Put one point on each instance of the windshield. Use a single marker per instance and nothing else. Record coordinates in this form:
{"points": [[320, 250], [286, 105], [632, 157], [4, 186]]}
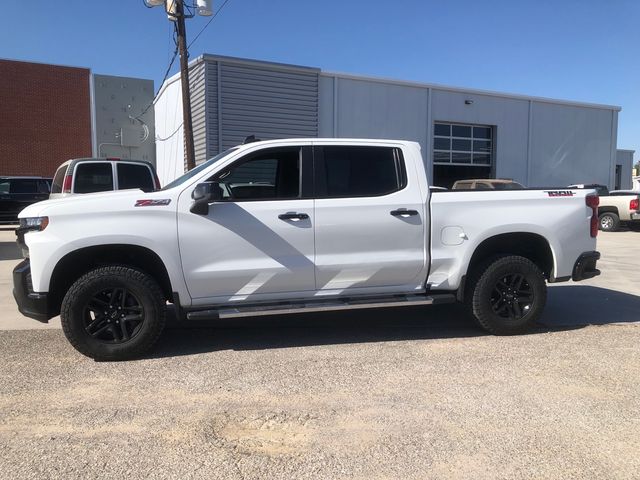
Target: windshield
{"points": [[198, 169]]}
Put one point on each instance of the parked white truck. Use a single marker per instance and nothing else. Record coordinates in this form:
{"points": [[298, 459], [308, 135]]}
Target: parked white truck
{"points": [[296, 225], [618, 207]]}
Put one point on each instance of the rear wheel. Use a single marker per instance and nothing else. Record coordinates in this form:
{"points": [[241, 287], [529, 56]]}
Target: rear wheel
{"points": [[507, 295], [609, 222], [113, 313]]}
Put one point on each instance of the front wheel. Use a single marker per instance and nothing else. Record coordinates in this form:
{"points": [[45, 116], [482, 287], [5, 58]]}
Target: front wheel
{"points": [[507, 295], [113, 313]]}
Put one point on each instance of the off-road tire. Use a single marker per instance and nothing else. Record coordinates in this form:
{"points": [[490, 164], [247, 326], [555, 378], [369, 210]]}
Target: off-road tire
{"points": [[608, 222], [483, 294], [142, 287]]}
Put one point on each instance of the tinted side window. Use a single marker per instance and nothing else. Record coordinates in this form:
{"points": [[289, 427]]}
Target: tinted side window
{"points": [[362, 171], [4, 186], [44, 186], [93, 177], [274, 174], [134, 176], [58, 180], [508, 186], [24, 186]]}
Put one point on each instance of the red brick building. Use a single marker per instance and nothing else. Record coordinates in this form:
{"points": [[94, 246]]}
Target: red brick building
{"points": [[45, 117]]}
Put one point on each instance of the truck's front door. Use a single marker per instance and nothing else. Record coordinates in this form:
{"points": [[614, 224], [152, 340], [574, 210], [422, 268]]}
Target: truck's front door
{"points": [[258, 241], [370, 221]]}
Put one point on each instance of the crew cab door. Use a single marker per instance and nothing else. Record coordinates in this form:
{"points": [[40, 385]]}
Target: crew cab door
{"points": [[258, 241], [370, 220]]}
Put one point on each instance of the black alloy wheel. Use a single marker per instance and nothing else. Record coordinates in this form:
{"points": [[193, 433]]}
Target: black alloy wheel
{"points": [[113, 316], [506, 294], [113, 313], [512, 297]]}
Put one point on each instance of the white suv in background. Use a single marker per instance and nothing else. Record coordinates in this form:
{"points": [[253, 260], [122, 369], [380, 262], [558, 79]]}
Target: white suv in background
{"points": [[89, 175]]}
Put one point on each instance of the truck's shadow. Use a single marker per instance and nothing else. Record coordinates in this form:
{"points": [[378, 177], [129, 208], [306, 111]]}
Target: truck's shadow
{"points": [[569, 307]]}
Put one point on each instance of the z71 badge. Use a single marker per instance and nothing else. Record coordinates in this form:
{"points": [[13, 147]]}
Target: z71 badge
{"points": [[560, 193], [152, 203]]}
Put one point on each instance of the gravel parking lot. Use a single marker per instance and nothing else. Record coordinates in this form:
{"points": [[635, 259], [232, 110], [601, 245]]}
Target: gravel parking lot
{"points": [[399, 393]]}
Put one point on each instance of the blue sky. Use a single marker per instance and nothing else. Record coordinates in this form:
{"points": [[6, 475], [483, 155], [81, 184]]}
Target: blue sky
{"points": [[585, 50]]}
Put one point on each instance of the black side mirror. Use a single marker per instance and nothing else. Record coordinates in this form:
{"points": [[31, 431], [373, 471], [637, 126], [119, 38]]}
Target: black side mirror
{"points": [[203, 195]]}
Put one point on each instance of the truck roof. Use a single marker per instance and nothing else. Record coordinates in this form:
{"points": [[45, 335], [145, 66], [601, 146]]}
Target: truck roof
{"points": [[103, 159], [350, 141]]}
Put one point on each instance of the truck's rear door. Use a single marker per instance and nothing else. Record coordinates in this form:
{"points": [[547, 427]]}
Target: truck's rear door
{"points": [[370, 219]]}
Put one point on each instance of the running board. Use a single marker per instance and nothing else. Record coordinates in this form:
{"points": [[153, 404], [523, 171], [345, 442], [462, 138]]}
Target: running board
{"points": [[321, 306]]}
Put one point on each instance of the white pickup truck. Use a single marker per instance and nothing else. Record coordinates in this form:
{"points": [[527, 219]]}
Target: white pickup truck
{"points": [[296, 225]]}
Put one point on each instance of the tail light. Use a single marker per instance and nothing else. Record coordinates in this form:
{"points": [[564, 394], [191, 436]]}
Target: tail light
{"points": [[634, 204], [593, 201], [66, 186]]}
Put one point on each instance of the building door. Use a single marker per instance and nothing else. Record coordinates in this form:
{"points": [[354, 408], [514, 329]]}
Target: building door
{"points": [[618, 177], [461, 152]]}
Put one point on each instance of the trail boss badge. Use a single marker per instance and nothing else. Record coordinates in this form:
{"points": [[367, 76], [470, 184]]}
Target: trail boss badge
{"points": [[560, 193]]}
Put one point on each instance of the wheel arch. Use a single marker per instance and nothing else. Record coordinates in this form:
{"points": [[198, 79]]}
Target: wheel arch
{"points": [[525, 244], [608, 209], [78, 262], [529, 245]]}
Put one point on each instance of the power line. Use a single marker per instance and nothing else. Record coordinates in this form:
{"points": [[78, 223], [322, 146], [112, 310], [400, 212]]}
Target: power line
{"points": [[207, 24], [160, 139]]}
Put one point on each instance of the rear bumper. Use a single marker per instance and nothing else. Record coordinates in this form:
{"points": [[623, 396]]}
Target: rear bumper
{"points": [[635, 216], [31, 304], [585, 266]]}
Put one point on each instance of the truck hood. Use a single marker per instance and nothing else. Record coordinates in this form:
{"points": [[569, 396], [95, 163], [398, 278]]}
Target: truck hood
{"points": [[112, 200]]}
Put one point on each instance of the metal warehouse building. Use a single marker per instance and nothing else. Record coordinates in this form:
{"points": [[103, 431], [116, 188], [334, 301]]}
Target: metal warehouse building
{"points": [[464, 133]]}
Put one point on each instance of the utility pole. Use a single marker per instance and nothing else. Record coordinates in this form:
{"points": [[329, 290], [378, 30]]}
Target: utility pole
{"points": [[189, 149], [176, 13]]}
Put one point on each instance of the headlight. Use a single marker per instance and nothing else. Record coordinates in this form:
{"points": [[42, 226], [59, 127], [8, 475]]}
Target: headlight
{"points": [[33, 223]]}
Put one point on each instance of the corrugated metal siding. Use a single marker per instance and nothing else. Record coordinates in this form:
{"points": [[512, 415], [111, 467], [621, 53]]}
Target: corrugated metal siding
{"points": [[267, 102], [212, 109], [198, 109]]}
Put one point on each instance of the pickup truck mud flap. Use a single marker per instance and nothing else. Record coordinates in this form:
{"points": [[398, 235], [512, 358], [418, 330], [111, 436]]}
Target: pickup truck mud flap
{"points": [[585, 266]]}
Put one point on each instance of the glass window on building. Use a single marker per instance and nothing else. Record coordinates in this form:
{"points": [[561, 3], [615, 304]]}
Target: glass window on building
{"points": [[458, 144]]}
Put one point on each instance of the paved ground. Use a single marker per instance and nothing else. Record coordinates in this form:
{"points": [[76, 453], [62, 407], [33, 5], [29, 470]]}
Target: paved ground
{"points": [[406, 393]]}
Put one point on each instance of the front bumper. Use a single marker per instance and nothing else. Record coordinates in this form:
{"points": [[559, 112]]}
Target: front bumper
{"points": [[31, 304], [585, 266]]}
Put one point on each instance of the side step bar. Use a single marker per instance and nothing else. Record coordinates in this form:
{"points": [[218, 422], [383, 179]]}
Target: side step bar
{"points": [[321, 306]]}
